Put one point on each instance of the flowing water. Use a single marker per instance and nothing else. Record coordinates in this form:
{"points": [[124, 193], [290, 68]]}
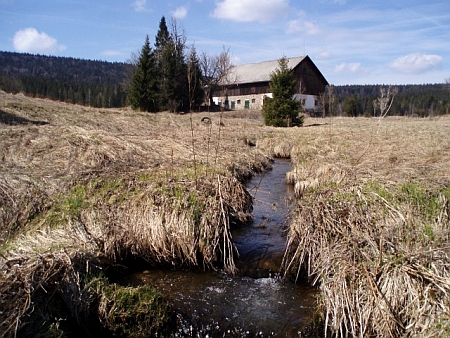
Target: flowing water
{"points": [[255, 302]]}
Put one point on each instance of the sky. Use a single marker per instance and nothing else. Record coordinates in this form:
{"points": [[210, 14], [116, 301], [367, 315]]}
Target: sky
{"points": [[350, 41]]}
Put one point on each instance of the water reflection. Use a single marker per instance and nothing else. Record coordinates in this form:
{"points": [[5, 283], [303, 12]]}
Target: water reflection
{"points": [[218, 305], [255, 303], [261, 244]]}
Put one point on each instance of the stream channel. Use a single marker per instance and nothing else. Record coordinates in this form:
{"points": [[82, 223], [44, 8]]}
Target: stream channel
{"points": [[256, 302]]}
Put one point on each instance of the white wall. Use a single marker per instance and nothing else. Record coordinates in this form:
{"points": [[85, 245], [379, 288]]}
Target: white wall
{"points": [[308, 101], [256, 101]]}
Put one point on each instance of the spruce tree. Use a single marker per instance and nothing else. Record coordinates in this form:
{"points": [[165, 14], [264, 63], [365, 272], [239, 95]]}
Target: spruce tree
{"points": [[169, 50], [194, 79], [162, 37], [165, 64], [282, 110], [144, 86]]}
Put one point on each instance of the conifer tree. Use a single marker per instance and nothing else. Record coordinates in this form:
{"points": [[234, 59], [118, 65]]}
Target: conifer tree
{"points": [[164, 53], [194, 79], [169, 50], [162, 37], [143, 91], [282, 109]]}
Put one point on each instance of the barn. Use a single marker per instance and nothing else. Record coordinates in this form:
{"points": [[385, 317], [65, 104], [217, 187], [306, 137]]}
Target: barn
{"points": [[248, 84]]}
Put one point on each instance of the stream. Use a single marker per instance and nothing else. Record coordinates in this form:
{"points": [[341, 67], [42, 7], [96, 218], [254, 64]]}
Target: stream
{"points": [[256, 302]]}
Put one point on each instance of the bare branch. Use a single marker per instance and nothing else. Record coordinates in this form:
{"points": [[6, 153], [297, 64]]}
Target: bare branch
{"points": [[386, 99]]}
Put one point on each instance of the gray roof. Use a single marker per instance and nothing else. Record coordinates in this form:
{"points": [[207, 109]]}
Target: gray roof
{"points": [[260, 71]]}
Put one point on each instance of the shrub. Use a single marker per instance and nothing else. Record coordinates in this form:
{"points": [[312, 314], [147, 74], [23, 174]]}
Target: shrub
{"points": [[282, 110]]}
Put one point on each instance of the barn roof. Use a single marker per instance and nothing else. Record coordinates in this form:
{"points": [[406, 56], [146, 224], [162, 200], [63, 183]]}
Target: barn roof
{"points": [[260, 71]]}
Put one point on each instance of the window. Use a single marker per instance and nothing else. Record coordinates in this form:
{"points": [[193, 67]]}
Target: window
{"points": [[253, 100], [247, 104], [238, 101]]}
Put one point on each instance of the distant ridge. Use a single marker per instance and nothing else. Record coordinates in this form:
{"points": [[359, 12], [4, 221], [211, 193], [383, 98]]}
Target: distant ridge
{"points": [[87, 82], [105, 84]]}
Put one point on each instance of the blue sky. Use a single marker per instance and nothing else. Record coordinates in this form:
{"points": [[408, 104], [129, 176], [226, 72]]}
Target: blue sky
{"points": [[351, 41]]}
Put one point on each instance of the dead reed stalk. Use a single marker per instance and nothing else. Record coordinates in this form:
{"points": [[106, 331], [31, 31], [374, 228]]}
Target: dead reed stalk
{"points": [[373, 232], [113, 184]]}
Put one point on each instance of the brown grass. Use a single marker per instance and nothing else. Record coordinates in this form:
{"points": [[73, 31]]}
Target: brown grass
{"points": [[93, 183], [79, 185], [39, 162], [372, 224]]}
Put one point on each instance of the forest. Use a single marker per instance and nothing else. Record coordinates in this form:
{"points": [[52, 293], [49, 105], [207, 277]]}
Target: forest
{"points": [[85, 82], [106, 84], [410, 100]]}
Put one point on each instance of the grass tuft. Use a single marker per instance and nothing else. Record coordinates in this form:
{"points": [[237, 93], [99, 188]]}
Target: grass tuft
{"points": [[373, 233]]}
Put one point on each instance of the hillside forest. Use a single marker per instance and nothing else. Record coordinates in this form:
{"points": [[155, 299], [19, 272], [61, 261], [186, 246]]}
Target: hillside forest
{"points": [[85, 82], [106, 84]]}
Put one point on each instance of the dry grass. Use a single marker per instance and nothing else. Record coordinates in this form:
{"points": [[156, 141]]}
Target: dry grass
{"points": [[40, 161], [371, 228], [93, 183], [372, 224]]}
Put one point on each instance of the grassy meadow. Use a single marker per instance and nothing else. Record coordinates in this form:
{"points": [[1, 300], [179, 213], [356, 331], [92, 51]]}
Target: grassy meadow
{"points": [[83, 189], [371, 227]]}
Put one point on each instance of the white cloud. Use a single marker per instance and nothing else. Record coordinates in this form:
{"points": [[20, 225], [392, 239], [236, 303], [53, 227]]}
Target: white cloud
{"points": [[416, 63], [140, 5], [29, 40], [251, 10], [180, 12], [302, 26], [352, 67]]}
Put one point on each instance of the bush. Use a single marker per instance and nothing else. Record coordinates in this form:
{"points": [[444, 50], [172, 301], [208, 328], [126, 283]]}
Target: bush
{"points": [[281, 113], [282, 110]]}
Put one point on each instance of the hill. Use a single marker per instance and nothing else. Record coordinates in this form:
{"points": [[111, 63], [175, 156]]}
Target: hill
{"points": [[86, 82]]}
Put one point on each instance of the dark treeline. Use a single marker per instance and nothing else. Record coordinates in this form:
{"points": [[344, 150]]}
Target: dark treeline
{"points": [[107, 84], [86, 82], [410, 100]]}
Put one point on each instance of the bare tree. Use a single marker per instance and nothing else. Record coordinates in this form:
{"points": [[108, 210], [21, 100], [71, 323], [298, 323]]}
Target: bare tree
{"points": [[323, 102], [331, 98], [327, 100], [384, 102], [225, 74], [216, 72], [224, 67], [178, 36], [208, 66]]}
